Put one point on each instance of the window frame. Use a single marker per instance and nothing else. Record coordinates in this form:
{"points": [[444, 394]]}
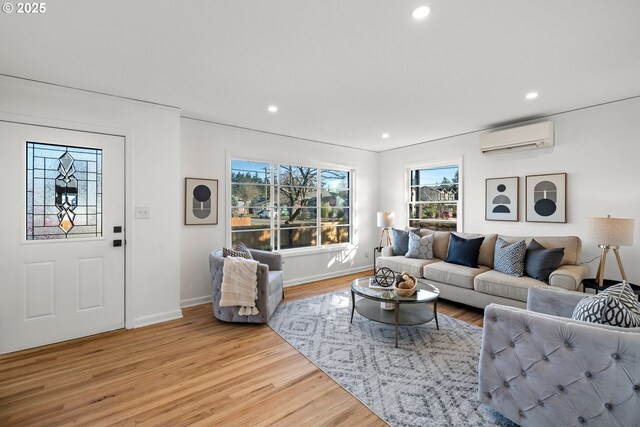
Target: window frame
{"points": [[410, 167], [275, 205]]}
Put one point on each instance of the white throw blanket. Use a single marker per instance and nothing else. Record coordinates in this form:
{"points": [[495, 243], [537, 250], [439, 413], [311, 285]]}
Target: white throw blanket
{"points": [[240, 285]]}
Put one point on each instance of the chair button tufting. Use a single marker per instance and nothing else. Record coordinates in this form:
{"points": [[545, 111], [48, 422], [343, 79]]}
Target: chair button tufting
{"points": [[506, 384], [512, 344], [636, 387], [527, 329], [521, 413], [488, 395], [493, 356], [540, 402], [560, 387], [523, 373], [495, 318], [567, 344], [544, 358], [615, 356], [581, 420], [607, 405], [587, 374]]}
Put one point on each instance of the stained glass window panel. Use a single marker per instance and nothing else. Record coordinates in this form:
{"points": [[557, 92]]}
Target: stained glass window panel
{"points": [[64, 192]]}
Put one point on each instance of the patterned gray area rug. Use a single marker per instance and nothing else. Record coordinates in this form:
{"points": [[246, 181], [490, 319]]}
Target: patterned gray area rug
{"points": [[431, 380]]}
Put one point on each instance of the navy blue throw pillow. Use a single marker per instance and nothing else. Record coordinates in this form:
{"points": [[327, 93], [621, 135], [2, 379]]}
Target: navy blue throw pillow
{"points": [[540, 262], [464, 251], [401, 240]]}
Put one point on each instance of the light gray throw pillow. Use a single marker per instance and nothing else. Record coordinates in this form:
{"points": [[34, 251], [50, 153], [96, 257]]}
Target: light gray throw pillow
{"points": [[420, 247]]}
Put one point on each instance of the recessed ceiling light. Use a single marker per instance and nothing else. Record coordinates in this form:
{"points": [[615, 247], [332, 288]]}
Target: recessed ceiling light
{"points": [[272, 109], [421, 12], [385, 135], [531, 95]]}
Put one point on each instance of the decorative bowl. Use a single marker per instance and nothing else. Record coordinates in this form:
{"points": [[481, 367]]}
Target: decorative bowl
{"points": [[400, 287]]}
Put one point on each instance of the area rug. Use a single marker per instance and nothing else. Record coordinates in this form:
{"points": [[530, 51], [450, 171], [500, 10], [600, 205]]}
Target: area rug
{"points": [[430, 380]]}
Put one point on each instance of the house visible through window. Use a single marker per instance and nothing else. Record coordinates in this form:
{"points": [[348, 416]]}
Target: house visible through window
{"points": [[433, 201], [277, 206]]}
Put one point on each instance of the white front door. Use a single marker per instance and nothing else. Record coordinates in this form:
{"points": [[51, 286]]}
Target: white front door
{"points": [[62, 273]]}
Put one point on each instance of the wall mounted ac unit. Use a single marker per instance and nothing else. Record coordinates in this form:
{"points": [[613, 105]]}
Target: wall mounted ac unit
{"points": [[538, 135]]}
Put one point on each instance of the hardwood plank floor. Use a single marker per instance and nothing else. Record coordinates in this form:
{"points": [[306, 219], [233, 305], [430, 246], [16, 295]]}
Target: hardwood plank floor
{"points": [[193, 371]]}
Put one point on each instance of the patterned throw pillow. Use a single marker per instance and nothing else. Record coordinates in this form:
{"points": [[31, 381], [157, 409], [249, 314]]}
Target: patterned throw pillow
{"points": [[241, 251], [509, 257], [615, 306], [420, 247]]}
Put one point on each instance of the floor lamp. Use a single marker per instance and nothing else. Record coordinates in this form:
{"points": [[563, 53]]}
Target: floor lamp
{"points": [[385, 220], [610, 233]]}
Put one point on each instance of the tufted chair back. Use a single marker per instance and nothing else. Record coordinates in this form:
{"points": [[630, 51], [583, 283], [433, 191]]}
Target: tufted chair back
{"points": [[540, 369]]}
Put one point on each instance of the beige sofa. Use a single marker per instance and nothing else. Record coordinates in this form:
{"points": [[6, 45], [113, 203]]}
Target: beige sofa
{"points": [[482, 286]]}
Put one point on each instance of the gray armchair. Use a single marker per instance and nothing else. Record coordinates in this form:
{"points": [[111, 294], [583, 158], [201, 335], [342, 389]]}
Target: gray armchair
{"points": [[270, 287], [539, 368]]}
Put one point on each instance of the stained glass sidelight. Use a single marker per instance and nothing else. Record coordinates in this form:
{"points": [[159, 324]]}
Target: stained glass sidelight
{"points": [[64, 192]]}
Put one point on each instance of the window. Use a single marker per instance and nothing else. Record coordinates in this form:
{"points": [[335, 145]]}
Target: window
{"points": [[433, 201], [277, 206], [64, 192]]}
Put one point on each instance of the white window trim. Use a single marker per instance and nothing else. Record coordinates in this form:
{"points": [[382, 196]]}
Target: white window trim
{"points": [[293, 252], [435, 164]]}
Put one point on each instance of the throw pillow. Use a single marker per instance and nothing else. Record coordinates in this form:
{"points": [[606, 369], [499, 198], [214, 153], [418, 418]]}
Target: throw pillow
{"points": [[615, 306], [401, 240], [509, 257], [240, 250], [464, 251], [540, 262], [420, 247]]}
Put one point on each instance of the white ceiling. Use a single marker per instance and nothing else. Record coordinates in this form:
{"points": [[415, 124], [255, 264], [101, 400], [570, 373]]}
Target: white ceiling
{"points": [[340, 71]]}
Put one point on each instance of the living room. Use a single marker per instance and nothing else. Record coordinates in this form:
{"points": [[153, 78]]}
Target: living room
{"points": [[350, 96]]}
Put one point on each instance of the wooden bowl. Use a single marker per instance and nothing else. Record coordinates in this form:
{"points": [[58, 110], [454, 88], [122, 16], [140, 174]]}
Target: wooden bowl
{"points": [[406, 292]]}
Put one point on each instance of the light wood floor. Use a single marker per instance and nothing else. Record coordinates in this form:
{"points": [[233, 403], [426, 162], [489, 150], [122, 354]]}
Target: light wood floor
{"points": [[196, 370]]}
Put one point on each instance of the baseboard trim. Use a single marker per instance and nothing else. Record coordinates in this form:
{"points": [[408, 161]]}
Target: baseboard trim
{"points": [[190, 302], [152, 319], [302, 280]]}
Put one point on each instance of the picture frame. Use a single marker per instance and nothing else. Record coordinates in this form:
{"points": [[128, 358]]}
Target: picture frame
{"points": [[201, 201], [502, 199], [546, 198]]}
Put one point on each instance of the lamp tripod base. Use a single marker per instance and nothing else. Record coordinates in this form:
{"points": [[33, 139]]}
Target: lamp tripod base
{"points": [[388, 241], [603, 262]]}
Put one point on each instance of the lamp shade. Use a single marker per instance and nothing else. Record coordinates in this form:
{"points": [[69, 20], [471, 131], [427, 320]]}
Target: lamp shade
{"points": [[386, 219], [610, 231]]}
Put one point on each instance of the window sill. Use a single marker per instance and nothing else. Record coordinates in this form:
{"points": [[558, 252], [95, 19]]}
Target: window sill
{"points": [[290, 253]]}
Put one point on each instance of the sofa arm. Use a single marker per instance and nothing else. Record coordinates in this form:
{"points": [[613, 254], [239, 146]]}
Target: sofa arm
{"points": [[556, 302], [569, 277], [387, 251], [540, 370], [272, 259]]}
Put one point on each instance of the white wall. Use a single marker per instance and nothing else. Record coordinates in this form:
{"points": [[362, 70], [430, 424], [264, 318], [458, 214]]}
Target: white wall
{"points": [[597, 147], [153, 179], [205, 151]]}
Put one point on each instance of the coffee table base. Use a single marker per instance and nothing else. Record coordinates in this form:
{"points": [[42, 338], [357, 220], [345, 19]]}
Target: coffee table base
{"points": [[407, 315]]}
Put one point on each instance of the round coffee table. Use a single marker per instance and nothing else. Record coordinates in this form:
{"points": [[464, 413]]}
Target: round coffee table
{"points": [[413, 310]]}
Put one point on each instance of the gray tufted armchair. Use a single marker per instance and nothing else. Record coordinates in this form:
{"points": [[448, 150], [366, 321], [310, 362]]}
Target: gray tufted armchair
{"points": [[539, 368], [270, 287]]}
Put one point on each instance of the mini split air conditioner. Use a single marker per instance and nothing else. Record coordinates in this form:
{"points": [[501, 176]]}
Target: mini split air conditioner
{"points": [[539, 135]]}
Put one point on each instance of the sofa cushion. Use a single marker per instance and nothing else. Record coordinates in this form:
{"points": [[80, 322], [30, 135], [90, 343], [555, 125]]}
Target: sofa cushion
{"points": [[487, 249], [540, 262], [509, 257], [571, 245], [464, 251], [420, 247], [401, 263], [615, 306], [452, 274], [440, 242], [401, 240], [499, 284]]}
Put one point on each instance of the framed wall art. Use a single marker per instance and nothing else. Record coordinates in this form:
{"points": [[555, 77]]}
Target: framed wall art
{"points": [[201, 201], [546, 198], [502, 199]]}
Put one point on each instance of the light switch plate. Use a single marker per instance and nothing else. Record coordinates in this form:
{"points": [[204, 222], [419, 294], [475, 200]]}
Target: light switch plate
{"points": [[143, 212]]}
